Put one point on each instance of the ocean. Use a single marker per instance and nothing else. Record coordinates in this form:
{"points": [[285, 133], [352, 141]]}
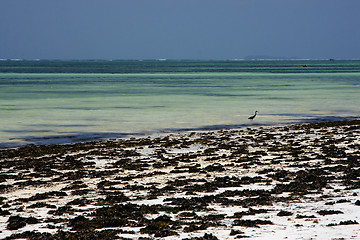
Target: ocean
{"points": [[45, 102]]}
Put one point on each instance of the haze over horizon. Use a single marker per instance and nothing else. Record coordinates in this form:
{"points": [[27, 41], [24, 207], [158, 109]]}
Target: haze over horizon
{"points": [[179, 29]]}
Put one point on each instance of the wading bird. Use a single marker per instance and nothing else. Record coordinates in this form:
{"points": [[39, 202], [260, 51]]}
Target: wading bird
{"points": [[252, 117]]}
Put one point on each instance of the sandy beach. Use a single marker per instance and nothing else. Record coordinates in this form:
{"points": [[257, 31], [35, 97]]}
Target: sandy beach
{"points": [[289, 182]]}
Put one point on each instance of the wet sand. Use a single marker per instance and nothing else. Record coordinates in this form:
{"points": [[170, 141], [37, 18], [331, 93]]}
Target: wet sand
{"points": [[291, 182]]}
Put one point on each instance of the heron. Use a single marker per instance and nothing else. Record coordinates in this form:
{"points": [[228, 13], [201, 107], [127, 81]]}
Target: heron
{"points": [[252, 117]]}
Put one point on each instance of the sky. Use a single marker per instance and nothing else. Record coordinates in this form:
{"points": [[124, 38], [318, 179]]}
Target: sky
{"points": [[179, 29]]}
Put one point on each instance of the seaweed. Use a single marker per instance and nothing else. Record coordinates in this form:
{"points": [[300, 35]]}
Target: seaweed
{"points": [[41, 205], [329, 212], [62, 210], [347, 222], [196, 226], [280, 175], [4, 187], [4, 212], [79, 202], [162, 226], [218, 165], [283, 213], [187, 215], [60, 235], [190, 204], [304, 216], [16, 222], [251, 211], [43, 196], [304, 181], [235, 232], [122, 215], [113, 198], [206, 236], [251, 223]]}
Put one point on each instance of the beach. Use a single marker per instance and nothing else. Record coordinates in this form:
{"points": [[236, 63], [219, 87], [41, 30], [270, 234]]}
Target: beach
{"points": [[297, 181], [179, 120]]}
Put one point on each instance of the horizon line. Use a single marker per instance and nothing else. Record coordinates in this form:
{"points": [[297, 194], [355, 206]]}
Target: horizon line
{"points": [[177, 59]]}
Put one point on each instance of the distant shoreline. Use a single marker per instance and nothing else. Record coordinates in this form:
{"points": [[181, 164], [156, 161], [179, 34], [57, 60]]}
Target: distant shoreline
{"points": [[199, 60], [143, 66]]}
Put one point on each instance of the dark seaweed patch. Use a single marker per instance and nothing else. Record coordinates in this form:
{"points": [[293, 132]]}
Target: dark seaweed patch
{"points": [[41, 205], [4, 212], [329, 212], [80, 202], [16, 222], [251, 211], [42, 196], [299, 216], [216, 167], [304, 182], [62, 210], [284, 213], [348, 222], [88, 234], [206, 236], [161, 226], [235, 232], [251, 223]]}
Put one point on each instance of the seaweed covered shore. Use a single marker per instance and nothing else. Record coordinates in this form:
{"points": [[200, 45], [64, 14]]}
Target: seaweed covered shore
{"points": [[291, 182]]}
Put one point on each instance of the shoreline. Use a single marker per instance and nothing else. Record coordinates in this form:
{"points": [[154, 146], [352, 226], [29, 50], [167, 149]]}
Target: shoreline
{"points": [[263, 182], [92, 137]]}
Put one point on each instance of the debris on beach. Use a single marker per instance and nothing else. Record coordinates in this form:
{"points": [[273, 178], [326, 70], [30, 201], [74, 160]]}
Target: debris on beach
{"points": [[299, 180]]}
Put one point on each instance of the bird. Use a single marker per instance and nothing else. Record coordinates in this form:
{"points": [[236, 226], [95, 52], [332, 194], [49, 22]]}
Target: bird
{"points": [[252, 117]]}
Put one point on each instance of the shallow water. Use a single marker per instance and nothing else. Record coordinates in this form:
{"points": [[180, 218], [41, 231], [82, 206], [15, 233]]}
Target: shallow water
{"points": [[65, 101]]}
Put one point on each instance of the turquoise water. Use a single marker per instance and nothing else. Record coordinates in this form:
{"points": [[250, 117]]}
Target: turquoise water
{"points": [[63, 101]]}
